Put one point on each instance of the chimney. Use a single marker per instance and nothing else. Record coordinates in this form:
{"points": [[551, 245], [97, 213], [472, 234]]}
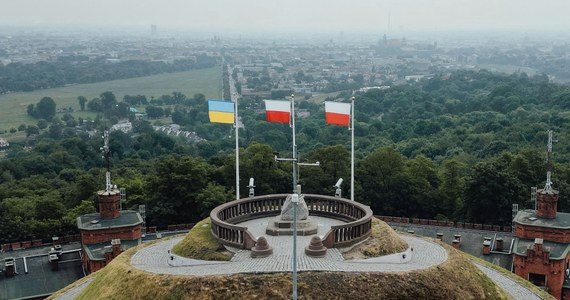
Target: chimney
{"points": [[456, 244], [538, 244], [499, 244], [457, 237], [487, 246], [9, 267], [54, 262], [547, 203], [109, 204], [116, 244]]}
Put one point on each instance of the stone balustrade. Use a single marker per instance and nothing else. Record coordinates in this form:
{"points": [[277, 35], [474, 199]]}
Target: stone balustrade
{"points": [[225, 217]]}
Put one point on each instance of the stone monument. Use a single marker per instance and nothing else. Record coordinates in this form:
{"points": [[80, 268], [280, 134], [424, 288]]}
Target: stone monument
{"points": [[283, 224]]}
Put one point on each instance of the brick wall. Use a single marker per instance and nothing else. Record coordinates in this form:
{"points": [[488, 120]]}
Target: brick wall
{"points": [[538, 261], [89, 237], [548, 234]]}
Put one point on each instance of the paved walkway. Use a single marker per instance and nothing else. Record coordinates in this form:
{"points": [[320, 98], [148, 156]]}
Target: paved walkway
{"points": [[72, 293], [421, 254], [156, 258], [510, 286]]}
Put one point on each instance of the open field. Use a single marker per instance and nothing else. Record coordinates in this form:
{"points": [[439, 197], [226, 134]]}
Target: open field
{"points": [[205, 81], [320, 98]]}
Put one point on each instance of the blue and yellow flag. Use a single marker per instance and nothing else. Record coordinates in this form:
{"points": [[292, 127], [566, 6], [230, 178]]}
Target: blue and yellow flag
{"points": [[221, 111]]}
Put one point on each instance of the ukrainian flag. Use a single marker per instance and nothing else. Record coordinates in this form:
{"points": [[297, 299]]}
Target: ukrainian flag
{"points": [[221, 111]]}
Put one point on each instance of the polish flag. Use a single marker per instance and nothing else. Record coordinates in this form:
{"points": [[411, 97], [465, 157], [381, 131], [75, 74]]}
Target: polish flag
{"points": [[278, 111], [337, 113]]}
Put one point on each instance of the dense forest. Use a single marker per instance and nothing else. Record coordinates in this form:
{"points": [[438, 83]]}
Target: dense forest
{"points": [[463, 146], [18, 77]]}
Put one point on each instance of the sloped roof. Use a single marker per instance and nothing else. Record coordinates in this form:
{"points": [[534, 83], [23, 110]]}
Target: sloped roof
{"points": [[95, 222]]}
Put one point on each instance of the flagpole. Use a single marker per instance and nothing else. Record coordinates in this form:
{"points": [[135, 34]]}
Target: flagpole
{"points": [[295, 191], [352, 152], [294, 144], [237, 146]]}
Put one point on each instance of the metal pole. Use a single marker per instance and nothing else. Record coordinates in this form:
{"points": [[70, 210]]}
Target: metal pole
{"points": [[237, 145], [294, 144], [352, 152], [295, 201]]}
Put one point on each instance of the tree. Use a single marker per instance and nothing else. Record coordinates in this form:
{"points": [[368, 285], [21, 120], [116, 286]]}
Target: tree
{"points": [[95, 105], [82, 101], [490, 193], [174, 187], [154, 112], [32, 129], [334, 164], [258, 161], [108, 101], [452, 186], [424, 184], [45, 109], [42, 124], [385, 182]]}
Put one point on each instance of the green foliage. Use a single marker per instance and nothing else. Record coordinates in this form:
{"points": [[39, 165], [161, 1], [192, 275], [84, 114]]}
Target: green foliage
{"points": [[45, 109], [460, 147]]}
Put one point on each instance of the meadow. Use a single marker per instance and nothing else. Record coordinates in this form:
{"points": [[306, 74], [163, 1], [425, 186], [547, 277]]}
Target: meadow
{"points": [[205, 81]]}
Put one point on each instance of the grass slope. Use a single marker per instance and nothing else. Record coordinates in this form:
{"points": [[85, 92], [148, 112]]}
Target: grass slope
{"points": [[383, 240], [205, 81], [457, 278], [199, 244]]}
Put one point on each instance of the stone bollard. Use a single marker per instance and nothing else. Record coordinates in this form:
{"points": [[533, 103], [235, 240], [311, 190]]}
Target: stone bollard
{"points": [[261, 248], [439, 236], [316, 248], [458, 237], [456, 244]]}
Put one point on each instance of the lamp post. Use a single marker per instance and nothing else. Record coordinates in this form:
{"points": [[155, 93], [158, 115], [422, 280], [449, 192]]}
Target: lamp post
{"points": [[295, 201]]}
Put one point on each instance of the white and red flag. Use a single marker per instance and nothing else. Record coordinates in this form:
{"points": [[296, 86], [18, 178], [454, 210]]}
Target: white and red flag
{"points": [[337, 113], [278, 111]]}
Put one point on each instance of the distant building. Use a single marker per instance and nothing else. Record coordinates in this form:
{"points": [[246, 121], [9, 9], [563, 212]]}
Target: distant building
{"points": [[4, 144], [104, 235], [124, 126], [542, 243]]}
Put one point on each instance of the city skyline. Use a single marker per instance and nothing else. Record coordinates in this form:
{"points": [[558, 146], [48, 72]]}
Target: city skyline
{"points": [[292, 15]]}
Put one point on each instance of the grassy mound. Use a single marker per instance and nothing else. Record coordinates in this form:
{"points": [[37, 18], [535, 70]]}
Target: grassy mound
{"points": [[199, 244], [383, 240], [457, 278]]}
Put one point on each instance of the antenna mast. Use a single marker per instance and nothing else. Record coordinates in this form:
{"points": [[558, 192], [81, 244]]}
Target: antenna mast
{"points": [[548, 186], [107, 157]]}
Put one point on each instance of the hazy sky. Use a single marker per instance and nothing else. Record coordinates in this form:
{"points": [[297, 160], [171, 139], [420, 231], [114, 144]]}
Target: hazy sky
{"points": [[293, 15]]}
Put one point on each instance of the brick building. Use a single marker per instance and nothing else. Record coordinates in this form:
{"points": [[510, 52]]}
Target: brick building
{"points": [[542, 244], [104, 235]]}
